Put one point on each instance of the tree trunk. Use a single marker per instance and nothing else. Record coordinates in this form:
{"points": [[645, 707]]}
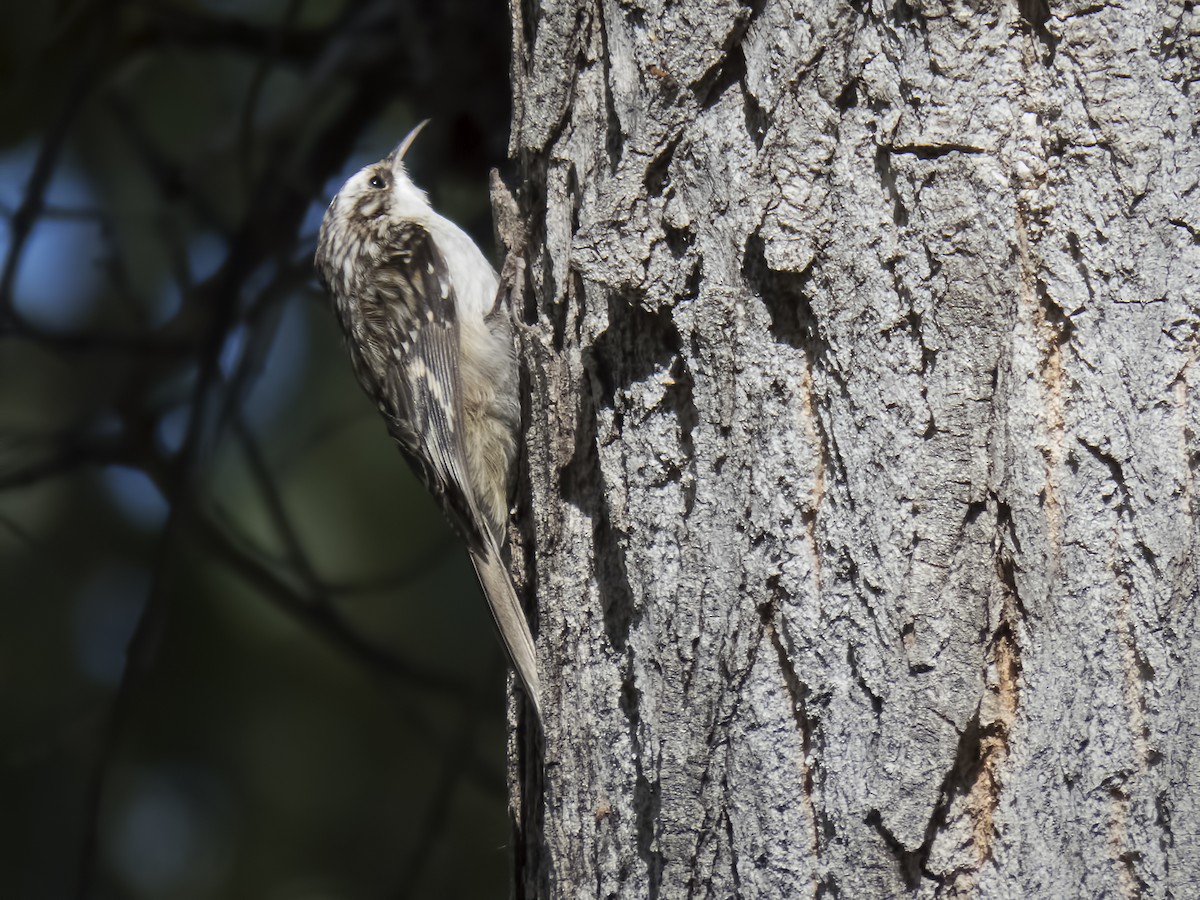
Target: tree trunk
{"points": [[859, 501]]}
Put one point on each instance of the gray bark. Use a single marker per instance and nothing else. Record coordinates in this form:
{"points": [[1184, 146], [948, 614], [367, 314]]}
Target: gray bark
{"points": [[859, 501]]}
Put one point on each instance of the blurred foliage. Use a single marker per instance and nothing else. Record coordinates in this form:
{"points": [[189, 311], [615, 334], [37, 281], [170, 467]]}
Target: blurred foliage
{"points": [[241, 656]]}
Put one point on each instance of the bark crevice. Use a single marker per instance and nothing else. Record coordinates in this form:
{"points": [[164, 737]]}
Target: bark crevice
{"points": [[846, 352]]}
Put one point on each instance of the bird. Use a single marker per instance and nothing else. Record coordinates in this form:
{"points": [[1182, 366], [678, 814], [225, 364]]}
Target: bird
{"points": [[427, 323]]}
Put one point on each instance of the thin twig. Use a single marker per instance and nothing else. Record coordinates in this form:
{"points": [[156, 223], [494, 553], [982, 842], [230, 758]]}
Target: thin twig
{"points": [[323, 618], [26, 215], [268, 59], [437, 812]]}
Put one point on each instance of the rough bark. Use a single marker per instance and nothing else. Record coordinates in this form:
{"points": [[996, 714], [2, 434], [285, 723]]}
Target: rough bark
{"points": [[859, 501]]}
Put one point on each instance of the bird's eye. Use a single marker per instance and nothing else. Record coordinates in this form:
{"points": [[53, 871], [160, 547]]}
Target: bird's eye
{"points": [[377, 182]]}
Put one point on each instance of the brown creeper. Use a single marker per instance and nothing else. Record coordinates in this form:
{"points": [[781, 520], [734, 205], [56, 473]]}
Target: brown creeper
{"points": [[430, 337]]}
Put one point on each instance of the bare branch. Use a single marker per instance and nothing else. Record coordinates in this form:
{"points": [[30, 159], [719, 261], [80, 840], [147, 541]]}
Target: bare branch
{"points": [[322, 618]]}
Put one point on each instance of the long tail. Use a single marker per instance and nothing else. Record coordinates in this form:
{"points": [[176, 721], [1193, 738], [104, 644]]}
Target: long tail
{"points": [[510, 619]]}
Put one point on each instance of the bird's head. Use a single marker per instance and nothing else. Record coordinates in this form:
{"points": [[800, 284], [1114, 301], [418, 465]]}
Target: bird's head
{"points": [[383, 188], [363, 213]]}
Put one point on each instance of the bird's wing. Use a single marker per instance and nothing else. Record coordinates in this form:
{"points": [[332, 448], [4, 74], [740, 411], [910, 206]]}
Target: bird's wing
{"points": [[418, 389], [421, 397]]}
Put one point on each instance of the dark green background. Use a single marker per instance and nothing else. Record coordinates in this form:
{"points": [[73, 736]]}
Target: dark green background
{"points": [[314, 706]]}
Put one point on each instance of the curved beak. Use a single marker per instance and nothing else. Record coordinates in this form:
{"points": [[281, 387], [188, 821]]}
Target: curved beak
{"points": [[407, 142]]}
